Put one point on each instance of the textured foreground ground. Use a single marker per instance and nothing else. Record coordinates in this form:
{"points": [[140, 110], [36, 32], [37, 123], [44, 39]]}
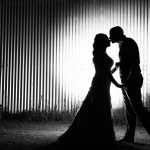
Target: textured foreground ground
{"points": [[28, 135]]}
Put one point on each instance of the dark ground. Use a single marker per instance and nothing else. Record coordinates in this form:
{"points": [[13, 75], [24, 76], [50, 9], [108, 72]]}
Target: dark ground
{"points": [[15, 135]]}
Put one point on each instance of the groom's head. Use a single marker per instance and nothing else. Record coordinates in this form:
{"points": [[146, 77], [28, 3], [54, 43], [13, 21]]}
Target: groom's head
{"points": [[116, 34]]}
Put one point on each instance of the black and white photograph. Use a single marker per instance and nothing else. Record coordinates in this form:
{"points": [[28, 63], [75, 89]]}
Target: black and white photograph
{"points": [[74, 74]]}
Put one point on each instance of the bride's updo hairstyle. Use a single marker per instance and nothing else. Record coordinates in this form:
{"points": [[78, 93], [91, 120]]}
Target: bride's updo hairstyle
{"points": [[101, 41]]}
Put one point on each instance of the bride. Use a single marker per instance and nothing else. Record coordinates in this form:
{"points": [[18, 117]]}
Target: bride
{"points": [[93, 122]]}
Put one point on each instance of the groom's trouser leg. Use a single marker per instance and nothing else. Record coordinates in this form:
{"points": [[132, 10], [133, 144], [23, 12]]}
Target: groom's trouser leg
{"points": [[137, 104], [131, 117]]}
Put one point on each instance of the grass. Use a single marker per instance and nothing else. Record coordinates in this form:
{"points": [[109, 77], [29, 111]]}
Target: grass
{"points": [[39, 116], [119, 116]]}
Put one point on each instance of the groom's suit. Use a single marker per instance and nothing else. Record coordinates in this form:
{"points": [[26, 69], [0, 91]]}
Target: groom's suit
{"points": [[130, 74]]}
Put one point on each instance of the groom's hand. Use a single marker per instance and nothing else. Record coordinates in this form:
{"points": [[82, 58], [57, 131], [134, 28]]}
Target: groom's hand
{"points": [[117, 64], [120, 85]]}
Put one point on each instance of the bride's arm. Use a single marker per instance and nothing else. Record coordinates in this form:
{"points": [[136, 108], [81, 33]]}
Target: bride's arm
{"points": [[112, 79], [115, 68]]}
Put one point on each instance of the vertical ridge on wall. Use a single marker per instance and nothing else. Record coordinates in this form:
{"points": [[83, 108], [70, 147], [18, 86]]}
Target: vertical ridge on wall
{"points": [[46, 49]]}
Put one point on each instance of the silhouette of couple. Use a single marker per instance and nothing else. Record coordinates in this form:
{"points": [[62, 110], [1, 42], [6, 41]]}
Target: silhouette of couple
{"points": [[93, 124]]}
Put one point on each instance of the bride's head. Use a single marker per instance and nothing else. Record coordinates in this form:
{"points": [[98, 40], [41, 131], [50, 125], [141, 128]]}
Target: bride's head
{"points": [[101, 42]]}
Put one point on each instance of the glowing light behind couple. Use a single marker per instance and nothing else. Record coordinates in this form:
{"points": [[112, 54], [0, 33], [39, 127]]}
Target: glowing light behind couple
{"points": [[46, 57], [78, 68], [95, 18]]}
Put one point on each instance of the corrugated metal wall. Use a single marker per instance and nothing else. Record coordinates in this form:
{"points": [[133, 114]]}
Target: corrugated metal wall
{"points": [[43, 47]]}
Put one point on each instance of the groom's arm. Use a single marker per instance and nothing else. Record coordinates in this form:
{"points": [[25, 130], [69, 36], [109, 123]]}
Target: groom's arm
{"points": [[115, 68]]}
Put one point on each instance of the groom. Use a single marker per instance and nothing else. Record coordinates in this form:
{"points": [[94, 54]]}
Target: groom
{"points": [[131, 78]]}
